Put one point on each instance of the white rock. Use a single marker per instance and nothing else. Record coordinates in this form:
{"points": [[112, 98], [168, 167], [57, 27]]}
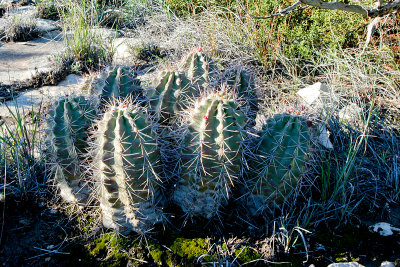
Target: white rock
{"points": [[319, 97], [23, 10], [384, 229], [345, 264], [323, 137], [123, 53], [19, 61], [47, 25], [387, 264], [36, 99], [350, 113]]}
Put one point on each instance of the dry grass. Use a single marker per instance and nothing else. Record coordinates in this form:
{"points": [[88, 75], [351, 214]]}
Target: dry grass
{"points": [[19, 28]]}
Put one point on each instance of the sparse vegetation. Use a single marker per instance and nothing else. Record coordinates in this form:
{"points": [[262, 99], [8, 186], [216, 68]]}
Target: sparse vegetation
{"points": [[18, 28]]}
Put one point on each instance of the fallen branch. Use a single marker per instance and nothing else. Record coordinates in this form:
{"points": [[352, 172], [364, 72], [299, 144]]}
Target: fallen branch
{"points": [[281, 12], [380, 11]]}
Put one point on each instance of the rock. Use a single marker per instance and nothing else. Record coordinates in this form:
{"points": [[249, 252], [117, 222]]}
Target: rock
{"points": [[384, 229], [345, 264], [47, 25], [107, 33], [26, 11], [350, 113], [319, 97], [36, 100], [387, 264], [19, 61], [123, 55], [323, 137]]}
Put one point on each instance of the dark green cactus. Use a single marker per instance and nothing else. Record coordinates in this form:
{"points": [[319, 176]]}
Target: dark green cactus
{"points": [[69, 121], [127, 168], [115, 83], [211, 156], [282, 151], [170, 96]]}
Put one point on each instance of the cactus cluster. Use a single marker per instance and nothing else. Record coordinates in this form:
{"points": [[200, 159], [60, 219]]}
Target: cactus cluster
{"points": [[188, 133]]}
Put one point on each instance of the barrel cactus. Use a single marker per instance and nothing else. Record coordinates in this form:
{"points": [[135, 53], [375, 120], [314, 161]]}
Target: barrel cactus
{"points": [[211, 155], [69, 121], [170, 96], [127, 169], [199, 68], [282, 151], [116, 82]]}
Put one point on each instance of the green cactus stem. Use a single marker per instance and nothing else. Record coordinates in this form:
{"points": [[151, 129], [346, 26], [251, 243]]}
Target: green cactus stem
{"points": [[170, 96], [127, 168], [282, 152], [199, 68], [211, 157], [69, 121], [116, 82]]}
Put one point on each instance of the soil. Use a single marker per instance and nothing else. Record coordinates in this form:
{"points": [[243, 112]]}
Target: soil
{"points": [[35, 234]]}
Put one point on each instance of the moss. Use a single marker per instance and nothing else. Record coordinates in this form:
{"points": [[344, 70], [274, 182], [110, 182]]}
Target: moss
{"points": [[190, 248], [112, 248], [246, 254], [156, 253]]}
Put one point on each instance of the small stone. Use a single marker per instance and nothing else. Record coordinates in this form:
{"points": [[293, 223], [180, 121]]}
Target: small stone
{"points": [[384, 229], [387, 264], [350, 113], [47, 259], [323, 137], [122, 50], [318, 97], [47, 25], [52, 211], [345, 264]]}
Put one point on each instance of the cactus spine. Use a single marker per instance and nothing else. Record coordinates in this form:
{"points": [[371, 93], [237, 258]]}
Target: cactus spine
{"points": [[282, 151], [199, 68], [127, 163], [170, 96], [69, 121], [115, 83], [211, 156]]}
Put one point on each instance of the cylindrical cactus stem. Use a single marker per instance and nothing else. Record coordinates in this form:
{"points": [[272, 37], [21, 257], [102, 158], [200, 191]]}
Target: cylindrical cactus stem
{"points": [[170, 96], [69, 121], [211, 156], [116, 82], [281, 151], [242, 84], [239, 80], [127, 169], [199, 68]]}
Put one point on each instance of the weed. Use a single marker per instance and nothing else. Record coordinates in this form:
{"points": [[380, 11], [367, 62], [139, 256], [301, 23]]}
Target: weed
{"points": [[48, 9], [87, 46], [22, 159], [19, 28]]}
